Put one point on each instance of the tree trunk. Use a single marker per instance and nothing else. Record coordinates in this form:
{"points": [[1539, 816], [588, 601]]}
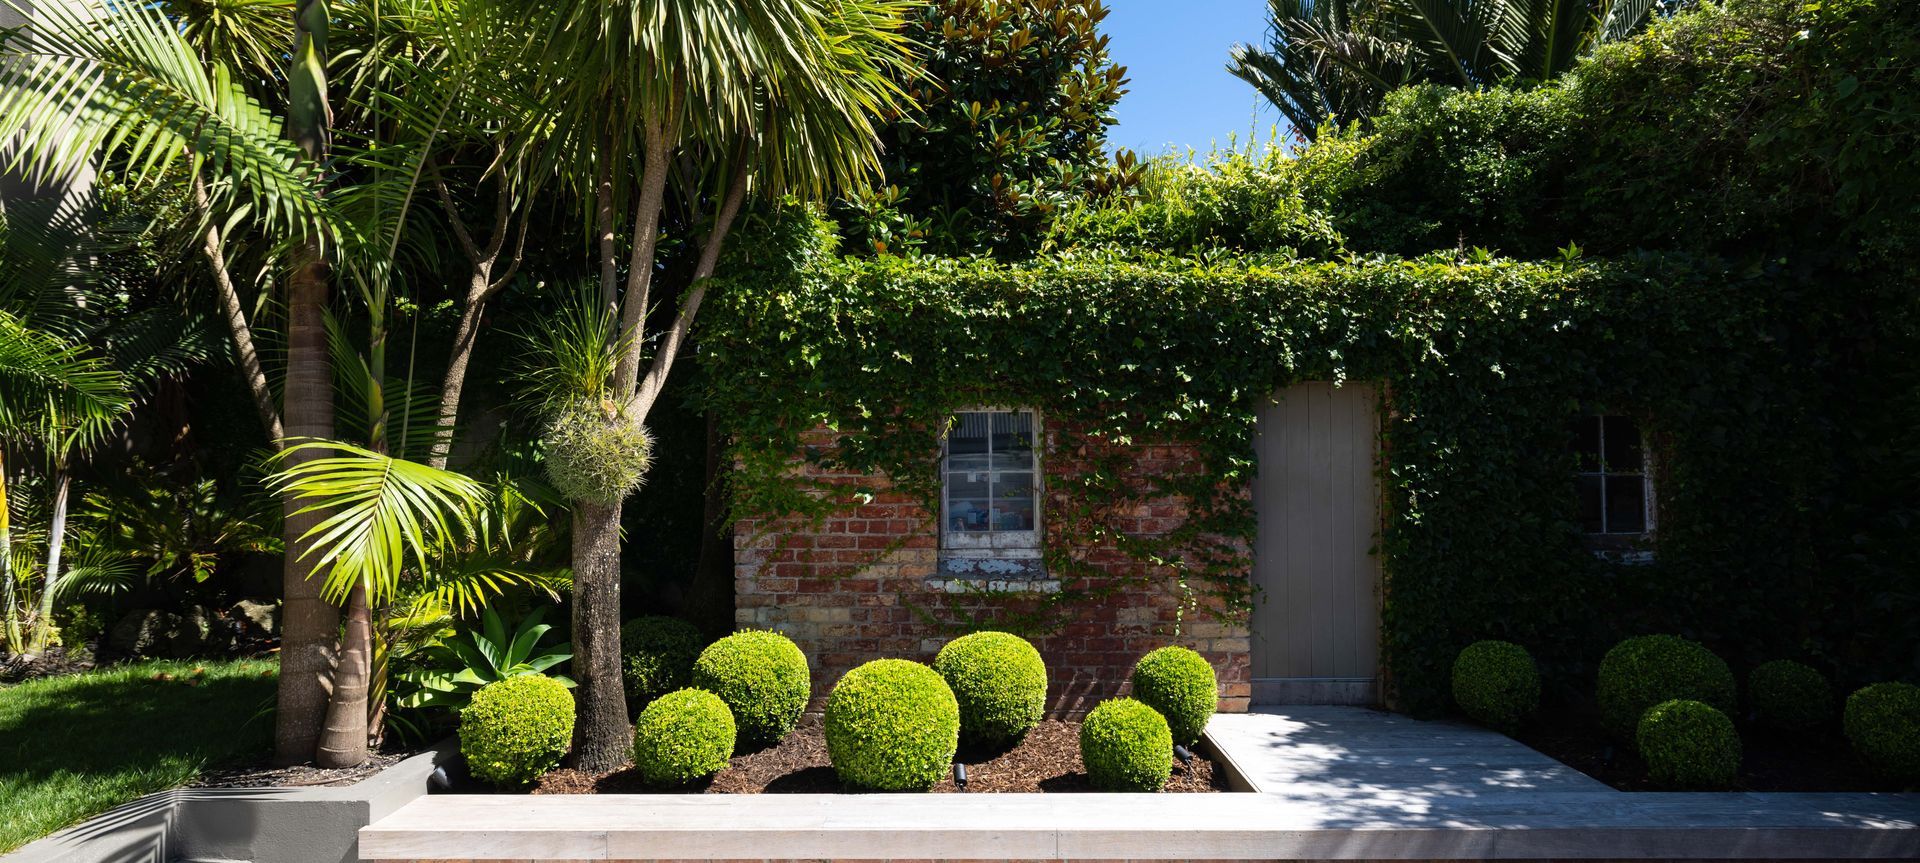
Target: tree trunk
{"points": [[455, 382], [344, 742], [11, 631], [310, 624], [236, 316], [56, 543], [602, 737]]}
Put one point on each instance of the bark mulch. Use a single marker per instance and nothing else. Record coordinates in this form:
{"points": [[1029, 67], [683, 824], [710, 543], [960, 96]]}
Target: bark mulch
{"points": [[302, 775], [1047, 760]]}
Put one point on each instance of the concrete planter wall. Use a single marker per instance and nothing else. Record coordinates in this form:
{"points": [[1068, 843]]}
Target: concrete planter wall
{"points": [[261, 825]]}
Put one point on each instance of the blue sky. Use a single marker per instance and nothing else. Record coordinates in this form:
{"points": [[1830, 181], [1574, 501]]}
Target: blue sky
{"points": [[1175, 52]]}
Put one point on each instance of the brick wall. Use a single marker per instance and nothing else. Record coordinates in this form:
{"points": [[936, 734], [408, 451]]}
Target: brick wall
{"points": [[862, 584]]}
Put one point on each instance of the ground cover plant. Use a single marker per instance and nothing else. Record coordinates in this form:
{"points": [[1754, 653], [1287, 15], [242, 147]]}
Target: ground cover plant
{"points": [[75, 746]]}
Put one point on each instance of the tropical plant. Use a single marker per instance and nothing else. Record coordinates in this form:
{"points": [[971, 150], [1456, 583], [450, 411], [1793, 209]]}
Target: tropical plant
{"points": [[181, 528], [780, 96], [460, 666], [1332, 61]]}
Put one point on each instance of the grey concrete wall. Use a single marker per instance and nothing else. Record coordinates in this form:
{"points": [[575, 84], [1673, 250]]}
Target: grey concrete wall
{"points": [[262, 825]]}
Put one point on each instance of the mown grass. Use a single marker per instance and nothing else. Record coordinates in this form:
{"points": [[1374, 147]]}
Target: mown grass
{"points": [[73, 747]]}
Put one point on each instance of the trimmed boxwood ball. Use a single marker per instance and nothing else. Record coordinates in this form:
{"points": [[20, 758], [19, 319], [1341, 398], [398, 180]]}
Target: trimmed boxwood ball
{"points": [[892, 725], [1179, 684], [1496, 683], [1788, 696], [1646, 670], [1001, 684], [1689, 744], [516, 730], [763, 678], [682, 737], [1126, 746], [656, 656], [1883, 723]]}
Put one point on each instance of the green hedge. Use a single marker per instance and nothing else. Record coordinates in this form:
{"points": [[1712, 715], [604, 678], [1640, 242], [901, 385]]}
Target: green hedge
{"points": [[682, 737], [892, 725], [1497, 684], [1180, 684], [1688, 744], [1646, 670], [1126, 746], [516, 730], [1788, 696], [1001, 684], [763, 678], [1883, 723], [656, 656]]}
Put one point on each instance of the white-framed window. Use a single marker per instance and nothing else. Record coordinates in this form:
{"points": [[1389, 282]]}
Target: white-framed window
{"points": [[990, 484], [1614, 479]]}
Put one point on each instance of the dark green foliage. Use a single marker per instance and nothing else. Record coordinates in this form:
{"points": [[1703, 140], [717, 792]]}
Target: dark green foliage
{"points": [[1646, 670], [516, 730], [1496, 683], [1000, 682], [657, 655], [1883, 723], [1180, 684], [1011, 124], [763, 678], [892, 725], [1789, 696], [1233, 200], [1688, 744], [1126, 746], [683, 736]]}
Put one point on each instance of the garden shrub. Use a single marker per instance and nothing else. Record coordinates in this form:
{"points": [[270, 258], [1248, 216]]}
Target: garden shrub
{"points": [[1001, 684], [657, 655], [1126, 746], [683, 736], [516, 730], [1178, 683], [1650, 669], [1788, 696], [1689, 744], [1883, 723], [892, 725], [1496, 683], [763, 678]]}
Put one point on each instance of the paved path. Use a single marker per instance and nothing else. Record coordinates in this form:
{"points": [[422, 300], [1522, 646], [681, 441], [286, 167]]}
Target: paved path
{"points": [[1347, 750]]}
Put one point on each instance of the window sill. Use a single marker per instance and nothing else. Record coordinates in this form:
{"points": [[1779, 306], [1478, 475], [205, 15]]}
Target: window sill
{"points": [[1014, 573]]}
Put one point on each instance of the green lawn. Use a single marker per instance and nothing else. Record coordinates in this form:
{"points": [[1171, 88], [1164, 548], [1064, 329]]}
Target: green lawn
{"points": [[73, 747]]}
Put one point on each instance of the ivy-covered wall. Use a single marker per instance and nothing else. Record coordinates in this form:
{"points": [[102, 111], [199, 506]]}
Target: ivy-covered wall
{"points": [[1486, 363]]}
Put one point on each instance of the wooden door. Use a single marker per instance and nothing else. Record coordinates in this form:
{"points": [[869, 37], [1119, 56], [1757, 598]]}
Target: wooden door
{"points": [[1316, 618]]}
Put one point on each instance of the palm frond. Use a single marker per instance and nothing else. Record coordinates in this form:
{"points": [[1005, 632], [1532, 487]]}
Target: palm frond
{"points": [[379, 512], [54, 391]]}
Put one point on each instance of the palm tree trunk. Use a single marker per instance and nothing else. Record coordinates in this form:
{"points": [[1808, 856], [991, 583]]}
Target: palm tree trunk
{"points": [[56, 543], [12, 609], [602, 738], [310, 624], [451, 388], [236, 316], [344, 741]]}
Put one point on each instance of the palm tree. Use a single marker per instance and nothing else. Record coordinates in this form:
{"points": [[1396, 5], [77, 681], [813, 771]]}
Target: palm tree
{"points": [[1334, 60], [779, 95]]}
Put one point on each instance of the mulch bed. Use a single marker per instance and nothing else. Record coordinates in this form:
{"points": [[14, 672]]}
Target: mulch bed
{"points": [[1047, 760], [54, 662], [1768, 761], [303, 775]]}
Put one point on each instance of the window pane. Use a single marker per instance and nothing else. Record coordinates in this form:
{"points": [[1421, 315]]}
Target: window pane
{"points": [[1623, 445], [967, 484], [1586, 443], [1013, 432], [969, 435], [1007, 486], [1626, 504], [1588, 489], [966, 515], [1013, 514]]}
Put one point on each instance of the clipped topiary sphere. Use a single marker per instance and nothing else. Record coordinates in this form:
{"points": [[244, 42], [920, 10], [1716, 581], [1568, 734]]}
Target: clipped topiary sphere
{"points": [[516, 730], [656, 656], [1126, 746], [1000, 682], [1496, 683], [596, 452], [1883, 723], [892, 725], [1789, 696], [1646, 670], [1179, 684], [682, 737], [762, 676], [1689, 744]]}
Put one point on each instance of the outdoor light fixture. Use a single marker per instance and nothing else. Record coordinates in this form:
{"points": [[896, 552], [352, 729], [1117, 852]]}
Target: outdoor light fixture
{"points": [[960, 775], [1181, 752]]}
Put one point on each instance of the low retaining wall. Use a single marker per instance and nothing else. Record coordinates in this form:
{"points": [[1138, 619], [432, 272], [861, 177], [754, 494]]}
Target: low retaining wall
{"points": [[261, 825]]}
